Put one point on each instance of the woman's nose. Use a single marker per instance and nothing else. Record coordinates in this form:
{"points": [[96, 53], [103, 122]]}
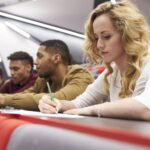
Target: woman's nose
{"points": [[100, 44]]}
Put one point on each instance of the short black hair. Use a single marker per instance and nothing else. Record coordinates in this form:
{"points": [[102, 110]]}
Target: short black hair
{"points": [[1, 71], [23, 56], [60, 47]]}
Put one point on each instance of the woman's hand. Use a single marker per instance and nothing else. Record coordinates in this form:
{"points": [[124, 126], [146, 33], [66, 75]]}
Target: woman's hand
{"points": [[87, 111], [46, 105]]}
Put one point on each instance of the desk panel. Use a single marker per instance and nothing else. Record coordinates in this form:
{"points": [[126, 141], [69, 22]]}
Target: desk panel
{"points": [[109, 129], [42, 137]]}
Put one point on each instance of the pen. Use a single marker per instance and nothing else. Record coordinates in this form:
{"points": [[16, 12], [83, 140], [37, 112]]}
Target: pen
{"points": [[49, 91], [52, 98]]}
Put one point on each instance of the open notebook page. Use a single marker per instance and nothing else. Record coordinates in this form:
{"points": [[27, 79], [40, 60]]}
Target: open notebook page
{"points": [[37, 114]]}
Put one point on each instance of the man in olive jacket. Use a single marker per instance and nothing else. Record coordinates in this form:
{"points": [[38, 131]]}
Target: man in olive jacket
{"points": [[53, 64]]}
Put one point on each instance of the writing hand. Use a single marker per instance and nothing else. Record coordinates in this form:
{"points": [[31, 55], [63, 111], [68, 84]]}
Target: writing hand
{"points": [[46, 105]]}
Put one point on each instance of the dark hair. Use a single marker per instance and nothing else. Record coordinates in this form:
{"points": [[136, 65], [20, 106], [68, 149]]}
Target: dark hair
{"points": [[1, 71], [59, 47], [23, 56]]}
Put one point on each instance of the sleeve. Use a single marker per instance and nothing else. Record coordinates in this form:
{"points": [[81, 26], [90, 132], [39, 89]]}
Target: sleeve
{"points": [[28, 99], [75, 84], [144, 97], [5, 87], [94, 94]]}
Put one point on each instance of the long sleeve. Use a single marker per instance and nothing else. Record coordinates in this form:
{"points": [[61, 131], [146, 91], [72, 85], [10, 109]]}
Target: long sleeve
{"points": [[94, 94], [74, 83]]}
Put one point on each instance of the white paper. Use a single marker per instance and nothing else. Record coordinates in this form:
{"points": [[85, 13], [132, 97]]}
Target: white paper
{"points": [[38, 114]]}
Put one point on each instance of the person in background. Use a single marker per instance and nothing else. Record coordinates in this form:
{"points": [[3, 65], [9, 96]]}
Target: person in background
{"points": [[117, 34], [54, 66], [2, 80], [21, 72]]}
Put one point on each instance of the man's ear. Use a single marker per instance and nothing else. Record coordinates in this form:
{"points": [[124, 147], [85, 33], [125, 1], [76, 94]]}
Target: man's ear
{"points": [[57, 58], [29, 68]]}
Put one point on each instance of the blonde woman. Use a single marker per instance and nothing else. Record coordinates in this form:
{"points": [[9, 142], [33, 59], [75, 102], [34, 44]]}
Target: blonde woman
{"points": [[118, 36]]}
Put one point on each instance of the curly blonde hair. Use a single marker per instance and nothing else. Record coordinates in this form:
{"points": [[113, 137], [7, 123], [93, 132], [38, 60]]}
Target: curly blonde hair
{"points": [[130, 22]]}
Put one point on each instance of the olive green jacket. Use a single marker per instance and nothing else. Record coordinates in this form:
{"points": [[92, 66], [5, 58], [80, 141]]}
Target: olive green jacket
{"points": [[73, 84]]}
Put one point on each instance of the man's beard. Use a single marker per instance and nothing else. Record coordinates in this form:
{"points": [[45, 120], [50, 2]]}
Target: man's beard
{"points": [[46, 75]]}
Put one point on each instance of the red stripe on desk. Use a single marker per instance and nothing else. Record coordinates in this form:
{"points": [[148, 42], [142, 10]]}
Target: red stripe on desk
{"points": [[114, 134], [7, 125]]}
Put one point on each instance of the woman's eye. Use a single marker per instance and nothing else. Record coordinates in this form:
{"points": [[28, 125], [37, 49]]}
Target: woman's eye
{"points": [[106, 37], [103, 37]]}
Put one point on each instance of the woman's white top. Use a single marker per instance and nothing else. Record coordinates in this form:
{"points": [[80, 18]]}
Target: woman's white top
{"points": [[95, 94]]}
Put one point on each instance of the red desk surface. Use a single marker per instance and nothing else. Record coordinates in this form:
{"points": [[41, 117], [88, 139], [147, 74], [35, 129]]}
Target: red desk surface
{"points": [[127, 131]]}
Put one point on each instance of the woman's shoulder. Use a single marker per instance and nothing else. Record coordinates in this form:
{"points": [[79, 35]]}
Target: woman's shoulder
{"points": [[145, 70], [146, 63]]}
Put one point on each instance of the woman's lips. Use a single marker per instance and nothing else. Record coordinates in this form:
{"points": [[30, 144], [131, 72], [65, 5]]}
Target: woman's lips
{"points": [[104, 53]]}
